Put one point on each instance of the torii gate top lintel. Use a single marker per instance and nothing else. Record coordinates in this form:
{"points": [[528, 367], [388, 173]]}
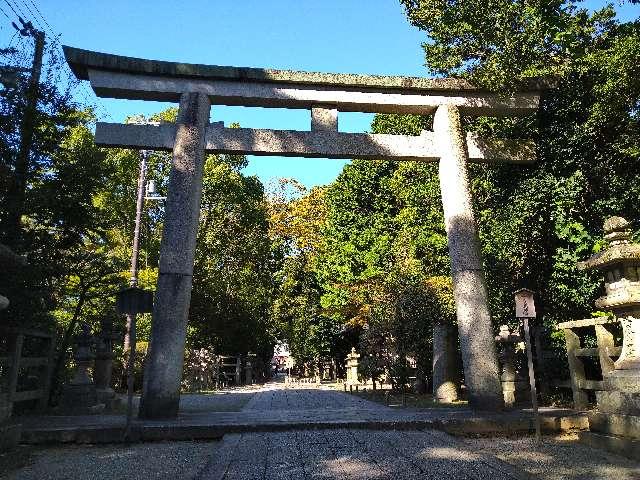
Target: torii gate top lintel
{"points": [[324, 94], [82, 61]]}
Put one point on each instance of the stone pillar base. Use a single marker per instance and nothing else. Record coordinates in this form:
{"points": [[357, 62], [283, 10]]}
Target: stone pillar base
{"points": [[80, 399], [627, 381]]}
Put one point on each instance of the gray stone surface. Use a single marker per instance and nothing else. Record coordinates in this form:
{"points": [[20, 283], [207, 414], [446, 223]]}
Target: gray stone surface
{"points": [[618, 402], [561, 457], [163, 372], [469, 285], [324, 119], [619, 445], [158, 460], [354, 454], [81, 60], [445, 363], [275, 408], [315, 144], [627, 426], [134, 86]]}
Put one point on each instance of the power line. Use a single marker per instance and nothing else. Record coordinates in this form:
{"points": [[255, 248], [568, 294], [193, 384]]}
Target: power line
{"points": [[80, 87], [31, 14], [19, 15], [5, 13], [41, 16]]}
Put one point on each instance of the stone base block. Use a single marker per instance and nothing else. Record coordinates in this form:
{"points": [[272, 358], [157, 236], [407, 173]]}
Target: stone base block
{"points": [[80, 400], [618, 402], [9, 435], [623, 381], [627, 426], [611, 443]]}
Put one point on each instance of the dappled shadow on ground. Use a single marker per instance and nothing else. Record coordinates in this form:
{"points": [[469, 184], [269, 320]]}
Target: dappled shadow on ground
{"points": [[353, 454], [558, 458], [158, 460]]}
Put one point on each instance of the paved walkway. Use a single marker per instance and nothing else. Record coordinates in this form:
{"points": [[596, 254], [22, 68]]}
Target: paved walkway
{"points": [[351, 454], [303, 433], [271, 408]]}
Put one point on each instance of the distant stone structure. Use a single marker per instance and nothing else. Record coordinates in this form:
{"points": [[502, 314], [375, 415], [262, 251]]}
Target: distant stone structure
{"points": [[197, 87], [352, 367], [616, 424]]}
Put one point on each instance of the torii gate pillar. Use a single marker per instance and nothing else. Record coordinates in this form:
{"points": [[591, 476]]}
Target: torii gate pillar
{"points": [[481, 371], [163, 372]]}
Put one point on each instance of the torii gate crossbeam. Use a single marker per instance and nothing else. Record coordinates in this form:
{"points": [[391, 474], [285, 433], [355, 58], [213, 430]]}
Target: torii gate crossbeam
{"points": [[197, 87]]}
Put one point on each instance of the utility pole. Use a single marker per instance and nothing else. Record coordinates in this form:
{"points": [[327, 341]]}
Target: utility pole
{"points": [[17, 188], [130, 334]]}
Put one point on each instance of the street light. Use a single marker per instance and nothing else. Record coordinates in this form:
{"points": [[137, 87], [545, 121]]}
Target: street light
{"points": [[526, 309]]}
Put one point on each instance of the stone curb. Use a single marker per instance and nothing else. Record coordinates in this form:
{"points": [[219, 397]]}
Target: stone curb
{"points": [[140, 433]]}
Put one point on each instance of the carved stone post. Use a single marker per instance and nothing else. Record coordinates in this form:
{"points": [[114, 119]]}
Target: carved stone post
{"points": [[445, 365], [161, 386], [469, 287], [104, 363]]}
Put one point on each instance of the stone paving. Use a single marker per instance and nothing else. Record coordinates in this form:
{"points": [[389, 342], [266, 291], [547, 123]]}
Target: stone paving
{"points": [[351, 454], [375, 450], [270, 408]]}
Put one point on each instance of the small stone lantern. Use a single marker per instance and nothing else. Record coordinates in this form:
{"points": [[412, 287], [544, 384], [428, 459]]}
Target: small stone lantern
{"points": [[352, 367], [620, 262], [103, 368], [513, 385]]}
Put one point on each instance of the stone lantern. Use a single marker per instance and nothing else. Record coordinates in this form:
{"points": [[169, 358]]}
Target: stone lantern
{"points": [[514, 387], [352, 367], [620, 262], [616, 424]]}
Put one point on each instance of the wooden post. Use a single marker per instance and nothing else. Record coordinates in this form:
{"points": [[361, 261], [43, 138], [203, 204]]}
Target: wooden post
{"points": [[576, 370], [532, 378]]}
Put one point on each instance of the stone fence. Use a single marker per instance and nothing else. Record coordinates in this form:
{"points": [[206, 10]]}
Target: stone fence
{"points": [[586, 373], [205, 370]]}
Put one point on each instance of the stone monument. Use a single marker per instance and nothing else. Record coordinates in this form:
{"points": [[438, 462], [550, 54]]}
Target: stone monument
{"points": [[616, 424], [104, 364], [445, 363], [352, 367], [514, 386], [79, 396]]}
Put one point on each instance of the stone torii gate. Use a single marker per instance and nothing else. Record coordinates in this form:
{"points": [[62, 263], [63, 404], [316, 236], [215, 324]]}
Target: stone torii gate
{"points": [[197, 87]]}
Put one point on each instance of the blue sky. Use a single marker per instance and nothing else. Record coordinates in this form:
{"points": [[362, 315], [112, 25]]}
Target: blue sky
{"points": [[351, 36]]}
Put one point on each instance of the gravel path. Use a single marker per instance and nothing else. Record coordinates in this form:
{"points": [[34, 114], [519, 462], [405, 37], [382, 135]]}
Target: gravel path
{"points": [[146, 461], [558, 458]]}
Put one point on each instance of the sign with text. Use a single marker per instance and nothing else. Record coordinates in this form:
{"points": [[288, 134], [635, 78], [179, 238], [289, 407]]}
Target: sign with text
{"points": [[525, 306]]}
